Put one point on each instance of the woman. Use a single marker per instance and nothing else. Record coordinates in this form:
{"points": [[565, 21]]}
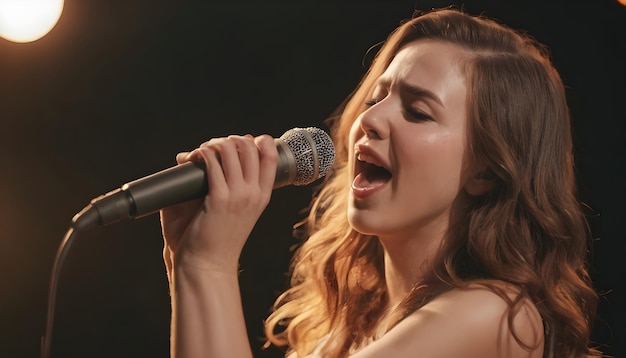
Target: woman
{"points": [[449, 226]]}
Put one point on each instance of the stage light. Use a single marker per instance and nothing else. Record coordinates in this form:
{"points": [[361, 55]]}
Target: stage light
{"points": [[28, 20], [623, 2]]}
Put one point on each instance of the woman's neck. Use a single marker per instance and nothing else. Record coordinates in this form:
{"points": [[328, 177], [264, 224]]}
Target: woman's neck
{"points": [[406, 262]]}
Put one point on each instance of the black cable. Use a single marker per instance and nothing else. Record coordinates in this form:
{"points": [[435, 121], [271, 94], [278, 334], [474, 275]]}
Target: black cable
{"points": [[85, 219]]}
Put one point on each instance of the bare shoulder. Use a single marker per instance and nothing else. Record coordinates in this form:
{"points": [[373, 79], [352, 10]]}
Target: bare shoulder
{"points": [[470, 322], [480, 307]]}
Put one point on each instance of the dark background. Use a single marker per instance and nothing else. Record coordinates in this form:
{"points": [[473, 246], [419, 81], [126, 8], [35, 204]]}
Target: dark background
{"points": [[119, 87]]}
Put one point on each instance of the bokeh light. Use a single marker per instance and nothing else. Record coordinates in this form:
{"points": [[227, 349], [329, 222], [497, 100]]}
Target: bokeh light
{"points": [[28, 20]]}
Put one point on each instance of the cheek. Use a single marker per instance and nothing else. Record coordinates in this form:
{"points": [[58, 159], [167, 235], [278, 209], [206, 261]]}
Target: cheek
{"points": [[450, 152], [355, 131], [354, 136], [436, 162]]}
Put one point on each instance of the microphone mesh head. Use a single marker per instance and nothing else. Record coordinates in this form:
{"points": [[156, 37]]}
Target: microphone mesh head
{"points": [[314, 153]]}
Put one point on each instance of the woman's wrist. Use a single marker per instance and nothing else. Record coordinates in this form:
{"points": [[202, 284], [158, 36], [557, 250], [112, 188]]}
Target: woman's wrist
{"points": [[189, 264]]}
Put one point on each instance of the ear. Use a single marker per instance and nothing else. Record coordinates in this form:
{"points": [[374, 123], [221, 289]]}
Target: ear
{"points": [[480, 182]]}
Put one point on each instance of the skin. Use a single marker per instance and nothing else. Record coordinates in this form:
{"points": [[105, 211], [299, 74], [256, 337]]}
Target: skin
{"points": [[416, 128], [423, 151], [203, 241], [421, 140]]}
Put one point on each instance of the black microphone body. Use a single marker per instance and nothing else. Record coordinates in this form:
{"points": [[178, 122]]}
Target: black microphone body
{"points": [[304, 155]]}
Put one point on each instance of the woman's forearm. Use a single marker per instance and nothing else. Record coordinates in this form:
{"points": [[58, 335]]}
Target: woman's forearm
{"points": [[207, 316]]}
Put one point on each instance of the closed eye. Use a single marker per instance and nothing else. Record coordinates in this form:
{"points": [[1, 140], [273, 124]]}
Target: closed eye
{"points": [[417, 115], [371, 102]]}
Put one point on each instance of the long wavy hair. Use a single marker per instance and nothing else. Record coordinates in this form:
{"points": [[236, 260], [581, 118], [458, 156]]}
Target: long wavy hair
{"points": [[529, 231]]}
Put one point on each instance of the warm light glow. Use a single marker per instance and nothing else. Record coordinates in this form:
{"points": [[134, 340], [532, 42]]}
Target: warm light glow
{"points": [[623, 2], [28, 20]]}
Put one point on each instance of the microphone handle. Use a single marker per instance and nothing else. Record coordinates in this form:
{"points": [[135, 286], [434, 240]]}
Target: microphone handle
{"points": [[172, 186]]}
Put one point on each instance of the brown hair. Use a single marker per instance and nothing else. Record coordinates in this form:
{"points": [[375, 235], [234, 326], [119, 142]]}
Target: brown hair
{"points": [[528, 231]]}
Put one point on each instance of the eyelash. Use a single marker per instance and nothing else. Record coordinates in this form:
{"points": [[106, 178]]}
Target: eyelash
{"points": [[418, 115], [415, 114], [371, 102]]}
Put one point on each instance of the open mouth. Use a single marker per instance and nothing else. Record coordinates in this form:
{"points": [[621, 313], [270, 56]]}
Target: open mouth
{"points": [[369, 176]]}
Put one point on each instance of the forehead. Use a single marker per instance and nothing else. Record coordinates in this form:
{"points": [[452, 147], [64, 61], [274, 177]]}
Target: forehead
{"points": [[429, 61], [429, 66]]}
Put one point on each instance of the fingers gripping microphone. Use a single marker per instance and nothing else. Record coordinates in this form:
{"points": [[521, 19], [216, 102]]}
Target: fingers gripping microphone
{"points": [[304, 155]]}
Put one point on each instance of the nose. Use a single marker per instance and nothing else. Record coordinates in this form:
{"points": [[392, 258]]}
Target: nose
{"points": [[374, 122]]}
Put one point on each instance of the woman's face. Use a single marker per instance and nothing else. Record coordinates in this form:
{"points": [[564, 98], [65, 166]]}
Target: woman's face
{"points": [[409, 145]]}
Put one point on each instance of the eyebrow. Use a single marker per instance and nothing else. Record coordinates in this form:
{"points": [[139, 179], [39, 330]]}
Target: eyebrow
{"points": [[414, 90]]}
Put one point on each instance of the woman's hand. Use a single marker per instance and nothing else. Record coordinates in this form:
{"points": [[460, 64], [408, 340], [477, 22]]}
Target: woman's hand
{"points": [[209, 233]]}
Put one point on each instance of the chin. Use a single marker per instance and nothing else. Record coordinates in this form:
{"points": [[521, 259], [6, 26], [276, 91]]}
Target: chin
{"points": [[363, 223]]}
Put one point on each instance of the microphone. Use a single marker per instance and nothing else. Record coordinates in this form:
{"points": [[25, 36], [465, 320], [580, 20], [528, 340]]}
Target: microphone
{"points": [[304, 155]]}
